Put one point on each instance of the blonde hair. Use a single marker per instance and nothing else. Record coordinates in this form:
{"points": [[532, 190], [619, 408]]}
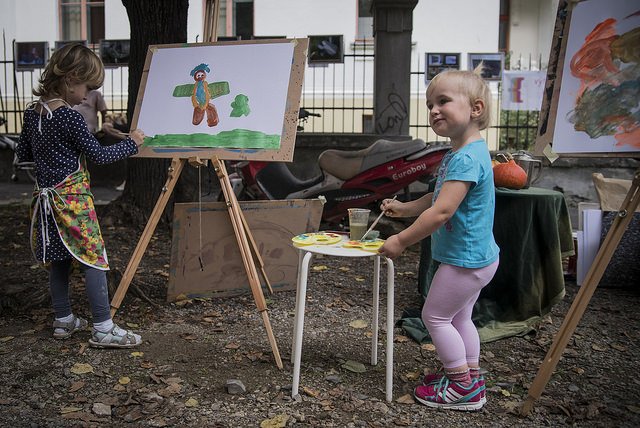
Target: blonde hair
{"points": [[472, 86], [72, 64]]}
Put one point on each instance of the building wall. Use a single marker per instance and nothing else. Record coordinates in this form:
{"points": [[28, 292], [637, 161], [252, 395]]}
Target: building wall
{"points": [[531, 26], [437, 26], [117, 21], [456, 26], [300, 18], [195, 25], [8, 21], [462, 26], [34, 21]]}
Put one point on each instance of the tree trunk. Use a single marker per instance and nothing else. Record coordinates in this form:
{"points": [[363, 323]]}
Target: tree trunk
{"points": [[152, 22]]}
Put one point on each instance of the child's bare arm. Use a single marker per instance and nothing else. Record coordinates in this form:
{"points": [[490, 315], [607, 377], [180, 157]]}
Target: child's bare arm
{"points": [[395, 208], [450, 197]]}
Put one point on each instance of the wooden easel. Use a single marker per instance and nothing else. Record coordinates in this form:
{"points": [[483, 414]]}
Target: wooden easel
{"points": [[579, 305], [548, 115], [248, 247]]}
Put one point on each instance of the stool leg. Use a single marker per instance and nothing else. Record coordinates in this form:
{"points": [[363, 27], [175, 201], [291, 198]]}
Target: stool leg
{"points": [[376, 305], [390, 319], [301, 254], [301, 295]]}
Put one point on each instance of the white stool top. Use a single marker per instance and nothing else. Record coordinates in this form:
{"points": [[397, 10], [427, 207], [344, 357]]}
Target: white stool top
{"points": [[337, 249]]}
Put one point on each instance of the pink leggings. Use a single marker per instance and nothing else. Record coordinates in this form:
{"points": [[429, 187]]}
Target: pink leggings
{"points": [[447, 312]]}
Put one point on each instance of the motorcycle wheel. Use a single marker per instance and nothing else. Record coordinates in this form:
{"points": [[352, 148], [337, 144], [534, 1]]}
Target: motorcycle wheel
{"points": [[29, 172]]}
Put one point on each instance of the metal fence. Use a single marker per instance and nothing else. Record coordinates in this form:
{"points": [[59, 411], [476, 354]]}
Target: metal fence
{"points": [[509, 130], [17, 83], [341, 94]]}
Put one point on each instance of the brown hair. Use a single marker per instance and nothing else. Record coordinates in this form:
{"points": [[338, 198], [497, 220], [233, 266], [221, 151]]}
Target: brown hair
{"points": [[473, 86], [71, 64]]}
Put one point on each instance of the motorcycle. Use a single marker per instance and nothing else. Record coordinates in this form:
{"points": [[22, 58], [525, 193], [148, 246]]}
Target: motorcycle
{"points": [[303, 116], [11, 142], [347, 179]]}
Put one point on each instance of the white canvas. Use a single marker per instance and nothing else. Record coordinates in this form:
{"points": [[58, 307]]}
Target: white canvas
{"points": [[584, 19], [588, 242], [259, 71]]}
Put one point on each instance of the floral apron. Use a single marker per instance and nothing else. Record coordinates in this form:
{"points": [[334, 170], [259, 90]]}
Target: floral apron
{"points": [[70, 205]]}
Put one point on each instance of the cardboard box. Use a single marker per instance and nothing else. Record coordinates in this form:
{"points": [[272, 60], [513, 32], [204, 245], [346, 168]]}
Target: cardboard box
{"points": [[203, 232]]}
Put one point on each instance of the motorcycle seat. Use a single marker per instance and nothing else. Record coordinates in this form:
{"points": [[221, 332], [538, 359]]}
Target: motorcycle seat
{"points": [[345, 164], [277, 182]]}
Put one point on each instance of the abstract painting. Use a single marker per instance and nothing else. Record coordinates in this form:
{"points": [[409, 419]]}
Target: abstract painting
{"points": [[598, 106]]}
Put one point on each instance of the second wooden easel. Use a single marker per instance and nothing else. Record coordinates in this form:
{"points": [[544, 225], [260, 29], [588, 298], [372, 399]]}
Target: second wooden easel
{"points": [[579, 305], [568, 143]]}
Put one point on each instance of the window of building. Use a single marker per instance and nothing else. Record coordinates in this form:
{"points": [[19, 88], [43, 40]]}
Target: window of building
{"points": [[222, 20], [244, 19], [235, 19], [82, 20], [365, 20]]}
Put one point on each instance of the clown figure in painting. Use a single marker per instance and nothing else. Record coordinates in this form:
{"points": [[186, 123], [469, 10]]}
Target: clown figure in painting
{"points": [[201, 93], [201, 97]]}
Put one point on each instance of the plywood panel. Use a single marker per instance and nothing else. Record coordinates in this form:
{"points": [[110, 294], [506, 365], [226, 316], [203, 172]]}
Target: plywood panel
{"points": [[204, 232]]}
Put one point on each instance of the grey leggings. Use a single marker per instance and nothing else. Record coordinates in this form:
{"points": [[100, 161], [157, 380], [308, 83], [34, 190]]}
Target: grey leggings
{"points": [[95, 284]]}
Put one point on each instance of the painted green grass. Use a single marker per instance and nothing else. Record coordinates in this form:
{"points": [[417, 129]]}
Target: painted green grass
{"points": [[236, 139]]}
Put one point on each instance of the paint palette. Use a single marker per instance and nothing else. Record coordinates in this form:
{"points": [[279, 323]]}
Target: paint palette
{"points": [[320, 238], [373, 245]]}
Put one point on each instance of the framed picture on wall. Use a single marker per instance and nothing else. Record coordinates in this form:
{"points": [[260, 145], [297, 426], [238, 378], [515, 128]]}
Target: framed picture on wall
{"points": [[492, 64], [60, 43], [30, 55], [114, 53], [439, 62], [326, 49]]}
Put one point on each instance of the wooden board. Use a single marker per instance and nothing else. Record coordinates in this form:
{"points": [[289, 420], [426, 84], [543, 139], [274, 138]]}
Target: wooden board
{"points": [[591, 90], [272, 223], [251, 90]]}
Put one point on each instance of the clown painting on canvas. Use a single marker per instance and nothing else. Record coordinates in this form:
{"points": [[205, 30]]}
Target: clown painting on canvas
{"points": [[201, 96], [238, 98]]}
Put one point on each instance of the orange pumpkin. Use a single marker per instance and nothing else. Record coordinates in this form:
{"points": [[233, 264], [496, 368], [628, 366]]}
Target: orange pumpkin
{"points": [[509, 175]]}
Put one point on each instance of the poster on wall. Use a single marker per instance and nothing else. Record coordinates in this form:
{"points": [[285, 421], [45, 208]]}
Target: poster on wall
{"points": [[439, 62], [326, 49], [115, 53], [234, 100], [30, 55], [522, 90], [595, 102], [492, 64]]}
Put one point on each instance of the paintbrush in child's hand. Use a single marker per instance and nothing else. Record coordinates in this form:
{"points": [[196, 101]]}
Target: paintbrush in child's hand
{"points": [[375, 222]]}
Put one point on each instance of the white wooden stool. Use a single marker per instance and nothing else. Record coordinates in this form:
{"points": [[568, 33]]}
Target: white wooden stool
{"points": [[337, 250]]}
